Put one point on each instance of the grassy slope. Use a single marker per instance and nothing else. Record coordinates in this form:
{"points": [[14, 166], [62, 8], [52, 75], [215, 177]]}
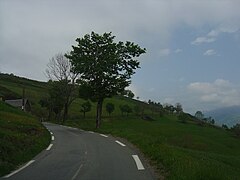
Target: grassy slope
{"points": [[21, 136], [34, 90], [181, 151]]}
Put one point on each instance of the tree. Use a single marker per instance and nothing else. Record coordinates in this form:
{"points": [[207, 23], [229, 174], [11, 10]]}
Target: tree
{"points": [[183, 117], [212, 121], [199, 115], [59, 69], [128, 93], [125, 109], [110, 108], [105, 67], [85, 107], [178, 108], [169, 108], [45, 103], [224, 126], [56, 99]]}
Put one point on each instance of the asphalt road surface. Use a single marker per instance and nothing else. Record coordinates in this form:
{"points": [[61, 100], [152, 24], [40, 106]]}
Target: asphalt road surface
{"points": [[75, 154]]}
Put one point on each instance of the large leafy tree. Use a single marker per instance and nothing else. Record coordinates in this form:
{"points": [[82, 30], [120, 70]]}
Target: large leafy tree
{"points": [[105, 66]]}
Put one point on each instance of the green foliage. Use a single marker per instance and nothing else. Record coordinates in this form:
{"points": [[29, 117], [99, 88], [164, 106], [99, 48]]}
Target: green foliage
{"points": [[56, 99], [85, 107], [183, 117], [105, 67], [224, 126], [110, 108], [199, 115], [125, 109], [128, 93]]}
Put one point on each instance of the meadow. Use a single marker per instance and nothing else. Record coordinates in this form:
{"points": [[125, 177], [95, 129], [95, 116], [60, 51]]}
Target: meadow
{"points": [[189, 150], [22, 137], [178, 150]]}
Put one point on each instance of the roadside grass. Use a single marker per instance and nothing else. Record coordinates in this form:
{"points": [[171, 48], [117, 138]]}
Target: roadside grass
{"points": [[179, 150], [22, 137], [190, 150]]}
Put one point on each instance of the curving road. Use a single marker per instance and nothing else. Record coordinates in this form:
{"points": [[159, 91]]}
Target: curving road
{"points": [[75, 154]]}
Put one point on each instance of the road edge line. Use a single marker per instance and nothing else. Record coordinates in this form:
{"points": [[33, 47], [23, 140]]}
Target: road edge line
{"points": [[120, 143], [138, 162], [103, 135], [20, 169], [49, 147]]}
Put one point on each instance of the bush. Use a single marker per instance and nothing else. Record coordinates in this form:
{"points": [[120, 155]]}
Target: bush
{"points": [[183, 117]]}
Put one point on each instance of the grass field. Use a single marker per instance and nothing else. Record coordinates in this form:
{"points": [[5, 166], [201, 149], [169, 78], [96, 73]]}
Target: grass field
{"points": [[22, 137], [179, 150]]}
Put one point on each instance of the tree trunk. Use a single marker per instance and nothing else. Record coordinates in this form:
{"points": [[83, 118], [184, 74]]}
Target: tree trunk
{"points": [[99, 113], [65, 113]]}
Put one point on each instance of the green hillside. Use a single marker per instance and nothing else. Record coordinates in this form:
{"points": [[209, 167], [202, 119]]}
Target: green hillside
{"points": [[22, 137], [190, 150]]}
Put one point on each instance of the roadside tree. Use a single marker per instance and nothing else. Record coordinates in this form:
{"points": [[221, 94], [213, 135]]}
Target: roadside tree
{"points": [[85, 107], [59, 69], [110, 108], [104, 66]]}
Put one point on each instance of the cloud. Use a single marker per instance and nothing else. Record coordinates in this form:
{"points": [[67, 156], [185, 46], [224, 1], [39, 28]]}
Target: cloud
{"points": [[213, 34], [164, 52], [178, 50], [218, 31], [209, 52], [219, 92], [200, 40]]}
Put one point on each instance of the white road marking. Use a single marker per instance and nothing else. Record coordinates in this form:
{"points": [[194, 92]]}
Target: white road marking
{"points": [[91, 132], [69, 127], [120, 143], [51, 133], [138, 162], [103, 135], [75, 175], [14, 172], [52, 138], [49, 147]]}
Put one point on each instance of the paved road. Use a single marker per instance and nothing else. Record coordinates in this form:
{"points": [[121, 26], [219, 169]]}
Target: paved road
{"points": [[76, 154]]}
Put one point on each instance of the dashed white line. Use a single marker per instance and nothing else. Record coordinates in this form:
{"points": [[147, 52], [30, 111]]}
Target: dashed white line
{"points": [[138, 162], [120, 143], [77, 172], [103, 135], [51, 133], [49, 147], [14, 172], [91, 132], [52, 138]]}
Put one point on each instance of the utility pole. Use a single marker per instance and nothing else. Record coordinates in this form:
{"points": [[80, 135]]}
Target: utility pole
{"points": [[23, 99]]}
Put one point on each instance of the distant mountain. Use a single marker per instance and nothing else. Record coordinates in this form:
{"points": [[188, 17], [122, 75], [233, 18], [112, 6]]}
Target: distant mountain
{"points": [[227, 115]]}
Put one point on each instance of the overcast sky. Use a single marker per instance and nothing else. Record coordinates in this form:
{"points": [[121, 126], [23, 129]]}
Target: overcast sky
{"points": [[193, 46]]}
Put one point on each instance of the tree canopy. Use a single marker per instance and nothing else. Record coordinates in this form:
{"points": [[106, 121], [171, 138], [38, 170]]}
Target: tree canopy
{"points": [[104, 66]]}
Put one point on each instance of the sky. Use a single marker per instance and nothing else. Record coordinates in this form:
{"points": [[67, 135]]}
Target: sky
{"points": [[193, 47]]}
